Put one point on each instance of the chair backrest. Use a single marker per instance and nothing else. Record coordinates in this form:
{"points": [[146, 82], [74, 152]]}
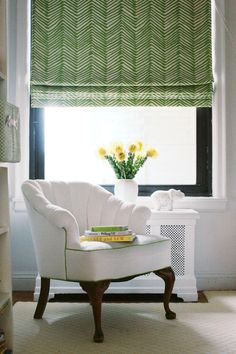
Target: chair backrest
{"points": [[54, 207], [90, 204]]}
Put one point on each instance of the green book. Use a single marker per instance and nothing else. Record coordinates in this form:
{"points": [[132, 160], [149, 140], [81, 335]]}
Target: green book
{"points": [[109, 228]]}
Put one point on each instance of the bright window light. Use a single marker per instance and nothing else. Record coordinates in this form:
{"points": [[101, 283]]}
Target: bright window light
{"points": [[73, 135]]}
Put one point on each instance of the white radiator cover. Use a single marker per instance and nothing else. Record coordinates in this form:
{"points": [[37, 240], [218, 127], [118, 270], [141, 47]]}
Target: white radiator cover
{"points": [[179, 226]]}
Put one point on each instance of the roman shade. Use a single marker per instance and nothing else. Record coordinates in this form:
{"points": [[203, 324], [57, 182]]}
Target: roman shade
{"points": [[121, 53]]}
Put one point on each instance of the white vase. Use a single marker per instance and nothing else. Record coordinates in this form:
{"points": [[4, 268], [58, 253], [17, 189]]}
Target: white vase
{"points": [[126, 190]]}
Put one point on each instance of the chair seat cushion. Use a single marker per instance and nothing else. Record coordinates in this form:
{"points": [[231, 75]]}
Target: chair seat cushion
{"points": [[99, 260]]}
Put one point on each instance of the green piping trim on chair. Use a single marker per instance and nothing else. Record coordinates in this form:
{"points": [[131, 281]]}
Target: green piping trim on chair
{"points": [[65, 248], [112, 249]]}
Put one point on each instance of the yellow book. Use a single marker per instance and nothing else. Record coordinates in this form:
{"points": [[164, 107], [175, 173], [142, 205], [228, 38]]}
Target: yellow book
{"points": [[118, 238]]}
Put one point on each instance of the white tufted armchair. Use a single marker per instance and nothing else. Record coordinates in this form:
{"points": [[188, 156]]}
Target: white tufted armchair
{"points": [[59, 212]]}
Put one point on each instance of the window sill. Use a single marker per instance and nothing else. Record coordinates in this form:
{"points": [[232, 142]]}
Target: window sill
{"points": [[196, 203]]}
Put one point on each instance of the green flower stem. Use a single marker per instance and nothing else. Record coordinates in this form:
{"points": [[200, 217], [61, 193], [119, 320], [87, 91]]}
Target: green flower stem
{"points": [[130, 162], [126, 169], [122, 165], [114, 165], [138, 164]]}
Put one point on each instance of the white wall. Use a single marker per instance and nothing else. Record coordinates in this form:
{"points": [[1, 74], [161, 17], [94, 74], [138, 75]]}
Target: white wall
{"points": [[215, 253], [216, 231]]}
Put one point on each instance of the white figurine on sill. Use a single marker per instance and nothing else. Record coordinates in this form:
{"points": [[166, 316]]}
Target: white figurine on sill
{"points": [[163, 200]]}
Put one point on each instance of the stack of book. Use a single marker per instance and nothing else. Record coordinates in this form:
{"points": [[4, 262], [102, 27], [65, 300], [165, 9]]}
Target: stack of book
{"points": [[3, 346], [108, 233]]}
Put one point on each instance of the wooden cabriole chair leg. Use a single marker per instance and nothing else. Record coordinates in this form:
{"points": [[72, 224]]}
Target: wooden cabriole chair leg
{"points": [[95, 291], [43, 298], [168, 276]]}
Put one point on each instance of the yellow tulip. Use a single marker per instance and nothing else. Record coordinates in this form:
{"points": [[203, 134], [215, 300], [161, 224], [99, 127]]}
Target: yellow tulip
{"points": [[152, 153], [116, 148], [139, 145], [120, 156], [102, 152], [132, 148]]}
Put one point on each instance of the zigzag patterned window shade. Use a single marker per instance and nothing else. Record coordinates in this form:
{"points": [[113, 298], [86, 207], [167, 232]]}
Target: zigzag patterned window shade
{"points": [[121, 53]]}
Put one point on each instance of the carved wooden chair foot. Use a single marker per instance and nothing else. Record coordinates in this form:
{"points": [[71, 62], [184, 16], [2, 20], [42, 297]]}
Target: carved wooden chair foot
{"points": [[168, 276], [98, 336], [95, 291]]}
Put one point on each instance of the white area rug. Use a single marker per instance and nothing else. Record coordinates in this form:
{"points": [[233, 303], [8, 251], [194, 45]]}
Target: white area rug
{"points": [[200, 328]]}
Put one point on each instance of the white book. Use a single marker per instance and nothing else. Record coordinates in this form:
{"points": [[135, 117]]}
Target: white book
{"points": [[107, 233]]}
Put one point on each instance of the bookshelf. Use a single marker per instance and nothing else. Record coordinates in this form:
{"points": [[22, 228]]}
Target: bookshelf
{"points": [[6, 323], [5, 260]]}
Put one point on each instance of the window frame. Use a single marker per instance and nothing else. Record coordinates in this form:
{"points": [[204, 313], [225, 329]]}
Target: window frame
{"points": [[203, 186]]}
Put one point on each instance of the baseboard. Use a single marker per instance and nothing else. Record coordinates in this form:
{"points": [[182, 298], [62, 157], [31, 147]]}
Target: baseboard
{"points": [[216, 281], [26, 281], [184, 288], [22, 281]]}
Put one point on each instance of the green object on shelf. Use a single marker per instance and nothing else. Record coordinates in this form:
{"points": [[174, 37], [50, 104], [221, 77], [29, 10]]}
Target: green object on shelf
{"points": [[9, 132]]}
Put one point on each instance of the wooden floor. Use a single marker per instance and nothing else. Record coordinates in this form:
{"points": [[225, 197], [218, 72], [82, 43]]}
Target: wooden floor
{"points": [[22, 296], [29, 296]]}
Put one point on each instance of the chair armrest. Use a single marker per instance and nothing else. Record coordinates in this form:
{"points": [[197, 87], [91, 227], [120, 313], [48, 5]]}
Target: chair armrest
{"points": [[56, 215], [138, 219]]}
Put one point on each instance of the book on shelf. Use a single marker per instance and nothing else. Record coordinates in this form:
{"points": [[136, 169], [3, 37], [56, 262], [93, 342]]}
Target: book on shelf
{"points": [[111, 238], [3, 349], [3, 345], [104, 228], [2, 335], [107, 233]]}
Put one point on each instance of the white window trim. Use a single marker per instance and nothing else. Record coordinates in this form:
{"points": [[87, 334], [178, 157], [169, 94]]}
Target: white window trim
{"points": [[21, 89]]}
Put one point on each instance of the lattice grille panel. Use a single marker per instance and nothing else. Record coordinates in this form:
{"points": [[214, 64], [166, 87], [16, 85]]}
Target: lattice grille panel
{"points": [[177, 235]]}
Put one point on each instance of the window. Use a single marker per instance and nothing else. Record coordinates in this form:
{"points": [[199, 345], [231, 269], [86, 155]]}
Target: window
{"points": [[64, 143], [218, 112], [159, 61]]}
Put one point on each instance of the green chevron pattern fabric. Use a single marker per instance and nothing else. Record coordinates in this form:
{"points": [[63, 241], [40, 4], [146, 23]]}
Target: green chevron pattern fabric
{"points": [[121, 53]]}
